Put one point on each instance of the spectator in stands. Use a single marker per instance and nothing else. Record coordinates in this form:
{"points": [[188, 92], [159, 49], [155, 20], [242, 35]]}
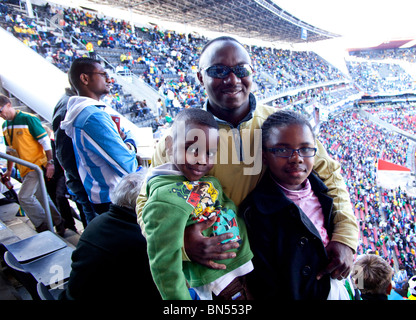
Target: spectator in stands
{"points": [[110, 261], [144, 108], [119, 69], [57, 189], [161, 109], [136, 109], [289, 216], [400, 279], [90, 48], [176, 106], [155, 124], [123, 58], [226, 74], [373, 277], [102, 156], [66, 157], [26, 139]]}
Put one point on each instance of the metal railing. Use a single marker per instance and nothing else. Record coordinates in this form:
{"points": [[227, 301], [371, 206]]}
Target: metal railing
{"points": [[44, 200]]}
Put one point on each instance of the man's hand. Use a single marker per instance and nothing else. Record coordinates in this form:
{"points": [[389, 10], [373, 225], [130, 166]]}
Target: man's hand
{"points": [[7, 174], [204, 250], [50, 170], [340, 261]]}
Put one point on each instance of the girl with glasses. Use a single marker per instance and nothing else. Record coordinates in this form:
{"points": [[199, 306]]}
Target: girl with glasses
{"points": [[289, 215]]}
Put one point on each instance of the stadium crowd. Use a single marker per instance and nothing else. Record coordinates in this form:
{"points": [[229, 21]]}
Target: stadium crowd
{"points": [[403, 54], [377, 77], [386, 217], [166, 60]]}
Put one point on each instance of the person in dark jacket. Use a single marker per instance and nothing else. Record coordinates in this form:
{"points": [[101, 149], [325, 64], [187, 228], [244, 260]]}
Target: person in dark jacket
{"points": [[110, 261], [64, 151], [57, 189], [289, 215]]}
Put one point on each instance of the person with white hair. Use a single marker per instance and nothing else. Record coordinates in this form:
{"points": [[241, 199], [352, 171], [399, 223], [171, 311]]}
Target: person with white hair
{"points": [[110, 261]]}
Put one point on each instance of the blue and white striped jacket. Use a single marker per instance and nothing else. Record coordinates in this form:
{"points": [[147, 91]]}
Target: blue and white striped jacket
{"points": [[101, 155]]}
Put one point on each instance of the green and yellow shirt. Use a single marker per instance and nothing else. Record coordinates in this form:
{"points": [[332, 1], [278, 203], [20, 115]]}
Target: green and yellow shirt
{"points": [[22, 135]]}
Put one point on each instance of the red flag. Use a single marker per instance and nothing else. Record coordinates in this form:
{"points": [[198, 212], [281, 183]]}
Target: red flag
{"points": [[391, 176]]}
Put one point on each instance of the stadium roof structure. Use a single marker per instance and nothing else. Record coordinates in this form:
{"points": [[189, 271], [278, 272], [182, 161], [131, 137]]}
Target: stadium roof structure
{"points": [[393, 44], [260, 19]]}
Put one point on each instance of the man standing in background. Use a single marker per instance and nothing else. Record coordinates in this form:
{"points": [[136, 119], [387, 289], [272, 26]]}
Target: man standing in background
{"points": [[101, 154], [26, 139]]}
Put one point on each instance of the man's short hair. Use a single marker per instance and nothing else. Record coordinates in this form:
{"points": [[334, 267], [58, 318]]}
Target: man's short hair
{"points": [[222, 38], [4, 100], [79, 66]]}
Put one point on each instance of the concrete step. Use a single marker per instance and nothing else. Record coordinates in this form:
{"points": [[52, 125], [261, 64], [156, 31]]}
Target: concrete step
{"points": [[17, 227]]}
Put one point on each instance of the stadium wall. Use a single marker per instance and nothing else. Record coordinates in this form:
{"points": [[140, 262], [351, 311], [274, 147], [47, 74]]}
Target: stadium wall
{"points": [[29, 77]]}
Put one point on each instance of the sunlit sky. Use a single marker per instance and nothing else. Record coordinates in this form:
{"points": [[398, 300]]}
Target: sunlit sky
{"points": [[362, 19]]}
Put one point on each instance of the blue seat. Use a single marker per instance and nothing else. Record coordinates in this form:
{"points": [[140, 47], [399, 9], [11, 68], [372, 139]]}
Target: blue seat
{"points": [[52, 268], [12, 262], [46, 293], [36, 246], [45, 258]]}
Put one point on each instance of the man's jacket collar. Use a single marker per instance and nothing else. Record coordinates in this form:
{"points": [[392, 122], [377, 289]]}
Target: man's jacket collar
{"points": [[253, 104]]}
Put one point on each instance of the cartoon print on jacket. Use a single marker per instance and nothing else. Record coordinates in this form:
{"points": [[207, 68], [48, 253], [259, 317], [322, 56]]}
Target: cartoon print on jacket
{"points": [[202, 196]]}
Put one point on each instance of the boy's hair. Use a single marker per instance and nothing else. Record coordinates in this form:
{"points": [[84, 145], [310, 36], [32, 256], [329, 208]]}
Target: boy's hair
{"points": [[3, 100], [79, 66], [282, 118], [372, 274], [192, 116]]}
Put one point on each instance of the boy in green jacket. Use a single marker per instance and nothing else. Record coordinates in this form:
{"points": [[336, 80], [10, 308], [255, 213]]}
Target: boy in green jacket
{"points": [[179, 194]]}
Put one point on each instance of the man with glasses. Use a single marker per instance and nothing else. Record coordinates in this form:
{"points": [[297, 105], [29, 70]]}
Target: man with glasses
{"points": [[101, 155], [226, 73], [26, 139]]}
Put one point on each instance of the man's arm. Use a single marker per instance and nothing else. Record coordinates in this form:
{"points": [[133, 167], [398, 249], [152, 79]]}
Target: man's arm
{"points": [[345, 224], [45, 142], [8, 172], [344, 239], [105, 140], [128, 140], [50, 166], [204, 250]]}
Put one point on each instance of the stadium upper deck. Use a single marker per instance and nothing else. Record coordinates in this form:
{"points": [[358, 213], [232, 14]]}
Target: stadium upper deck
{"points": [[261, 19]]}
